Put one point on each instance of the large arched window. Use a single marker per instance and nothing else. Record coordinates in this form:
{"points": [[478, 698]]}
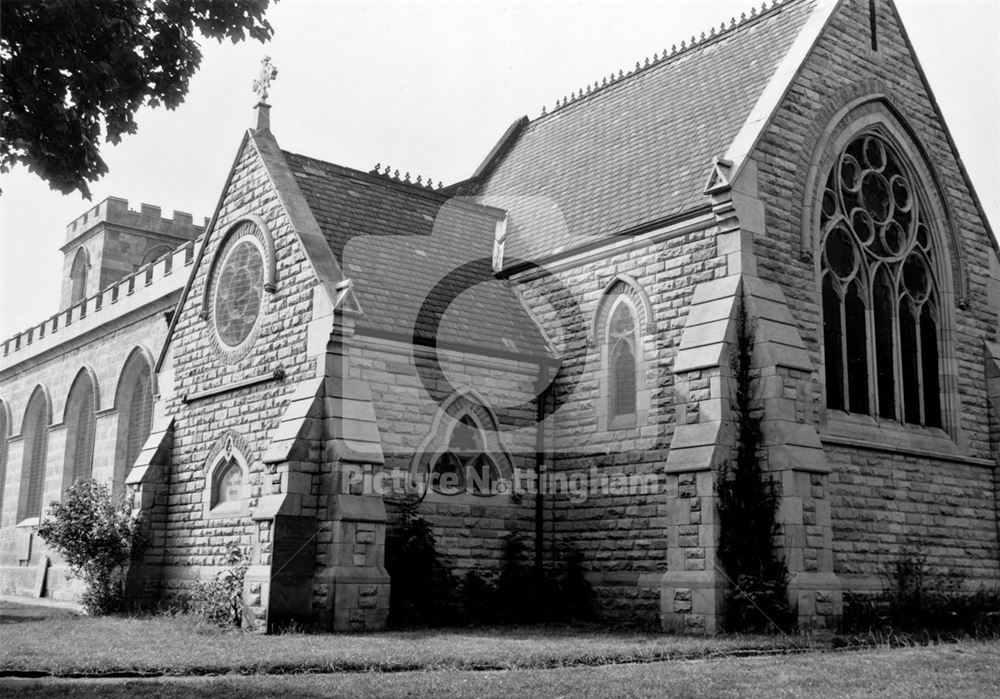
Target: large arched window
{"points": [[621, 361], [78, 276], [35, 430], [881, 303], [4, 436], [134, 402], [80, 426]]}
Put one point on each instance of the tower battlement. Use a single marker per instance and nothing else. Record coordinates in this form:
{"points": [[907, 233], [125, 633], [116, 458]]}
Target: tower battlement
{"points": [[114, 210]]}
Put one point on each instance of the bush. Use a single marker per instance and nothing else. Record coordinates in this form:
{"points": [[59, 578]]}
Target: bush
{"points": [[221, 599], [96, 534], [478, 597], [518, 594], [575, 597], [425, 593], [921, 606], [421, 592]]}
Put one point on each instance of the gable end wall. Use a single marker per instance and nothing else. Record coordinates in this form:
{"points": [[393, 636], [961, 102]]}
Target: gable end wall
{"points": [[195, 546], [885, 503]]}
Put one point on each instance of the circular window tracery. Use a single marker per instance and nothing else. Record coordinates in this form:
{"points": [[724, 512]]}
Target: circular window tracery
{"points": [[878, 289], [238, 297]]}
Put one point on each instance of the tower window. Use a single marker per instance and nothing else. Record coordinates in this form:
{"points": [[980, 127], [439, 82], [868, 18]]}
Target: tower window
{"points": [[78, 277]]}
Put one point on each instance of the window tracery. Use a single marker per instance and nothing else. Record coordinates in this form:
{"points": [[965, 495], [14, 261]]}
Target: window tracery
{"points": [[464, 465], [621, 361], [880, 299]]}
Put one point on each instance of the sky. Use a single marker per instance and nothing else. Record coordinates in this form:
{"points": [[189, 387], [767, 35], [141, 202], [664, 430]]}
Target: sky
{"points": [[429, 87]]}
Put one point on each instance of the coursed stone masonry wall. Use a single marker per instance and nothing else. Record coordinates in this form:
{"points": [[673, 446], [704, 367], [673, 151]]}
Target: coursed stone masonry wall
{"points": [[195, 546], [468, 529], [881, 501], [624, 536]]}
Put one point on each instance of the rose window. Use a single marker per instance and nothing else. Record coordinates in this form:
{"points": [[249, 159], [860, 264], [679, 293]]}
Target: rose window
{"points": [[239, 292]]}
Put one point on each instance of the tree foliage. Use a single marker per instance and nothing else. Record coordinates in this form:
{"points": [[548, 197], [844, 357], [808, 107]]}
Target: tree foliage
{"points": [[421, 586], [748, 507], [69, 67], [96, 534]]}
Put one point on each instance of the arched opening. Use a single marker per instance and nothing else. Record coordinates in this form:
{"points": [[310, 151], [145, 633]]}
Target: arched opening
{"points": [[78, 276], [621, 362], [134, 403], [450, 473], [80, 420], [878, 258], [35, 430], [227, 485], [153, 254], [4, 436]]}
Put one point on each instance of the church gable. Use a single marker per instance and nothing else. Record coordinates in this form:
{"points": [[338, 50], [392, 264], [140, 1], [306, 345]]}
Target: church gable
{"points": [[877, 90], [249, 301], [873, 232]]}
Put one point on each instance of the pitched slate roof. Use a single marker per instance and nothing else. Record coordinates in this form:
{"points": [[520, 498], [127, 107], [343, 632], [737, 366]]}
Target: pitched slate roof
{"points": [[640, 149], [396, 241]]}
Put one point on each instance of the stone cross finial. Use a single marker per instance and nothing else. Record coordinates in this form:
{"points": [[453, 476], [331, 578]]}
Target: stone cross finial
{"points": [[263, 81]]}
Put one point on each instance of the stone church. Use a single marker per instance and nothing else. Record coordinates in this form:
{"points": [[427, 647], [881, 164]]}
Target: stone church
{"points": [[546, 347]]}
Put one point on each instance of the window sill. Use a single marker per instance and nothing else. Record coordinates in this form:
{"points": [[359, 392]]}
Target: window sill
{"points": [[29, 522], [866, 432], [625, 421], [434, 497], [227, 511]]}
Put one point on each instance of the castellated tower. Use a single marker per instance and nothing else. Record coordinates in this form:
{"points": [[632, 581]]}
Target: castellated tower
{"points": [[110, 241]]}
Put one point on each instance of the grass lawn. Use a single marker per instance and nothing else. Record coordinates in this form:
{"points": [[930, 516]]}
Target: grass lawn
{"points": [[184, 646], [957, 670]]}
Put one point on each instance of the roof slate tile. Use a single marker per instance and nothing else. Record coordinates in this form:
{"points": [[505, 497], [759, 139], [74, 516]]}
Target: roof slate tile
{"points": [[640, 149], [396, 241]]}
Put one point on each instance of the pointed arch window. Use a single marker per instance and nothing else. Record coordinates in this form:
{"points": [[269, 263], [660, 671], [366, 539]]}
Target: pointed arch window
{"points": [[154, 254], [134, 402], [4, 436], [227, 478], [464, 466], [881, 313], [228, 486], [35, 430], [78, 463], [621, 368], [78, 276]]}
